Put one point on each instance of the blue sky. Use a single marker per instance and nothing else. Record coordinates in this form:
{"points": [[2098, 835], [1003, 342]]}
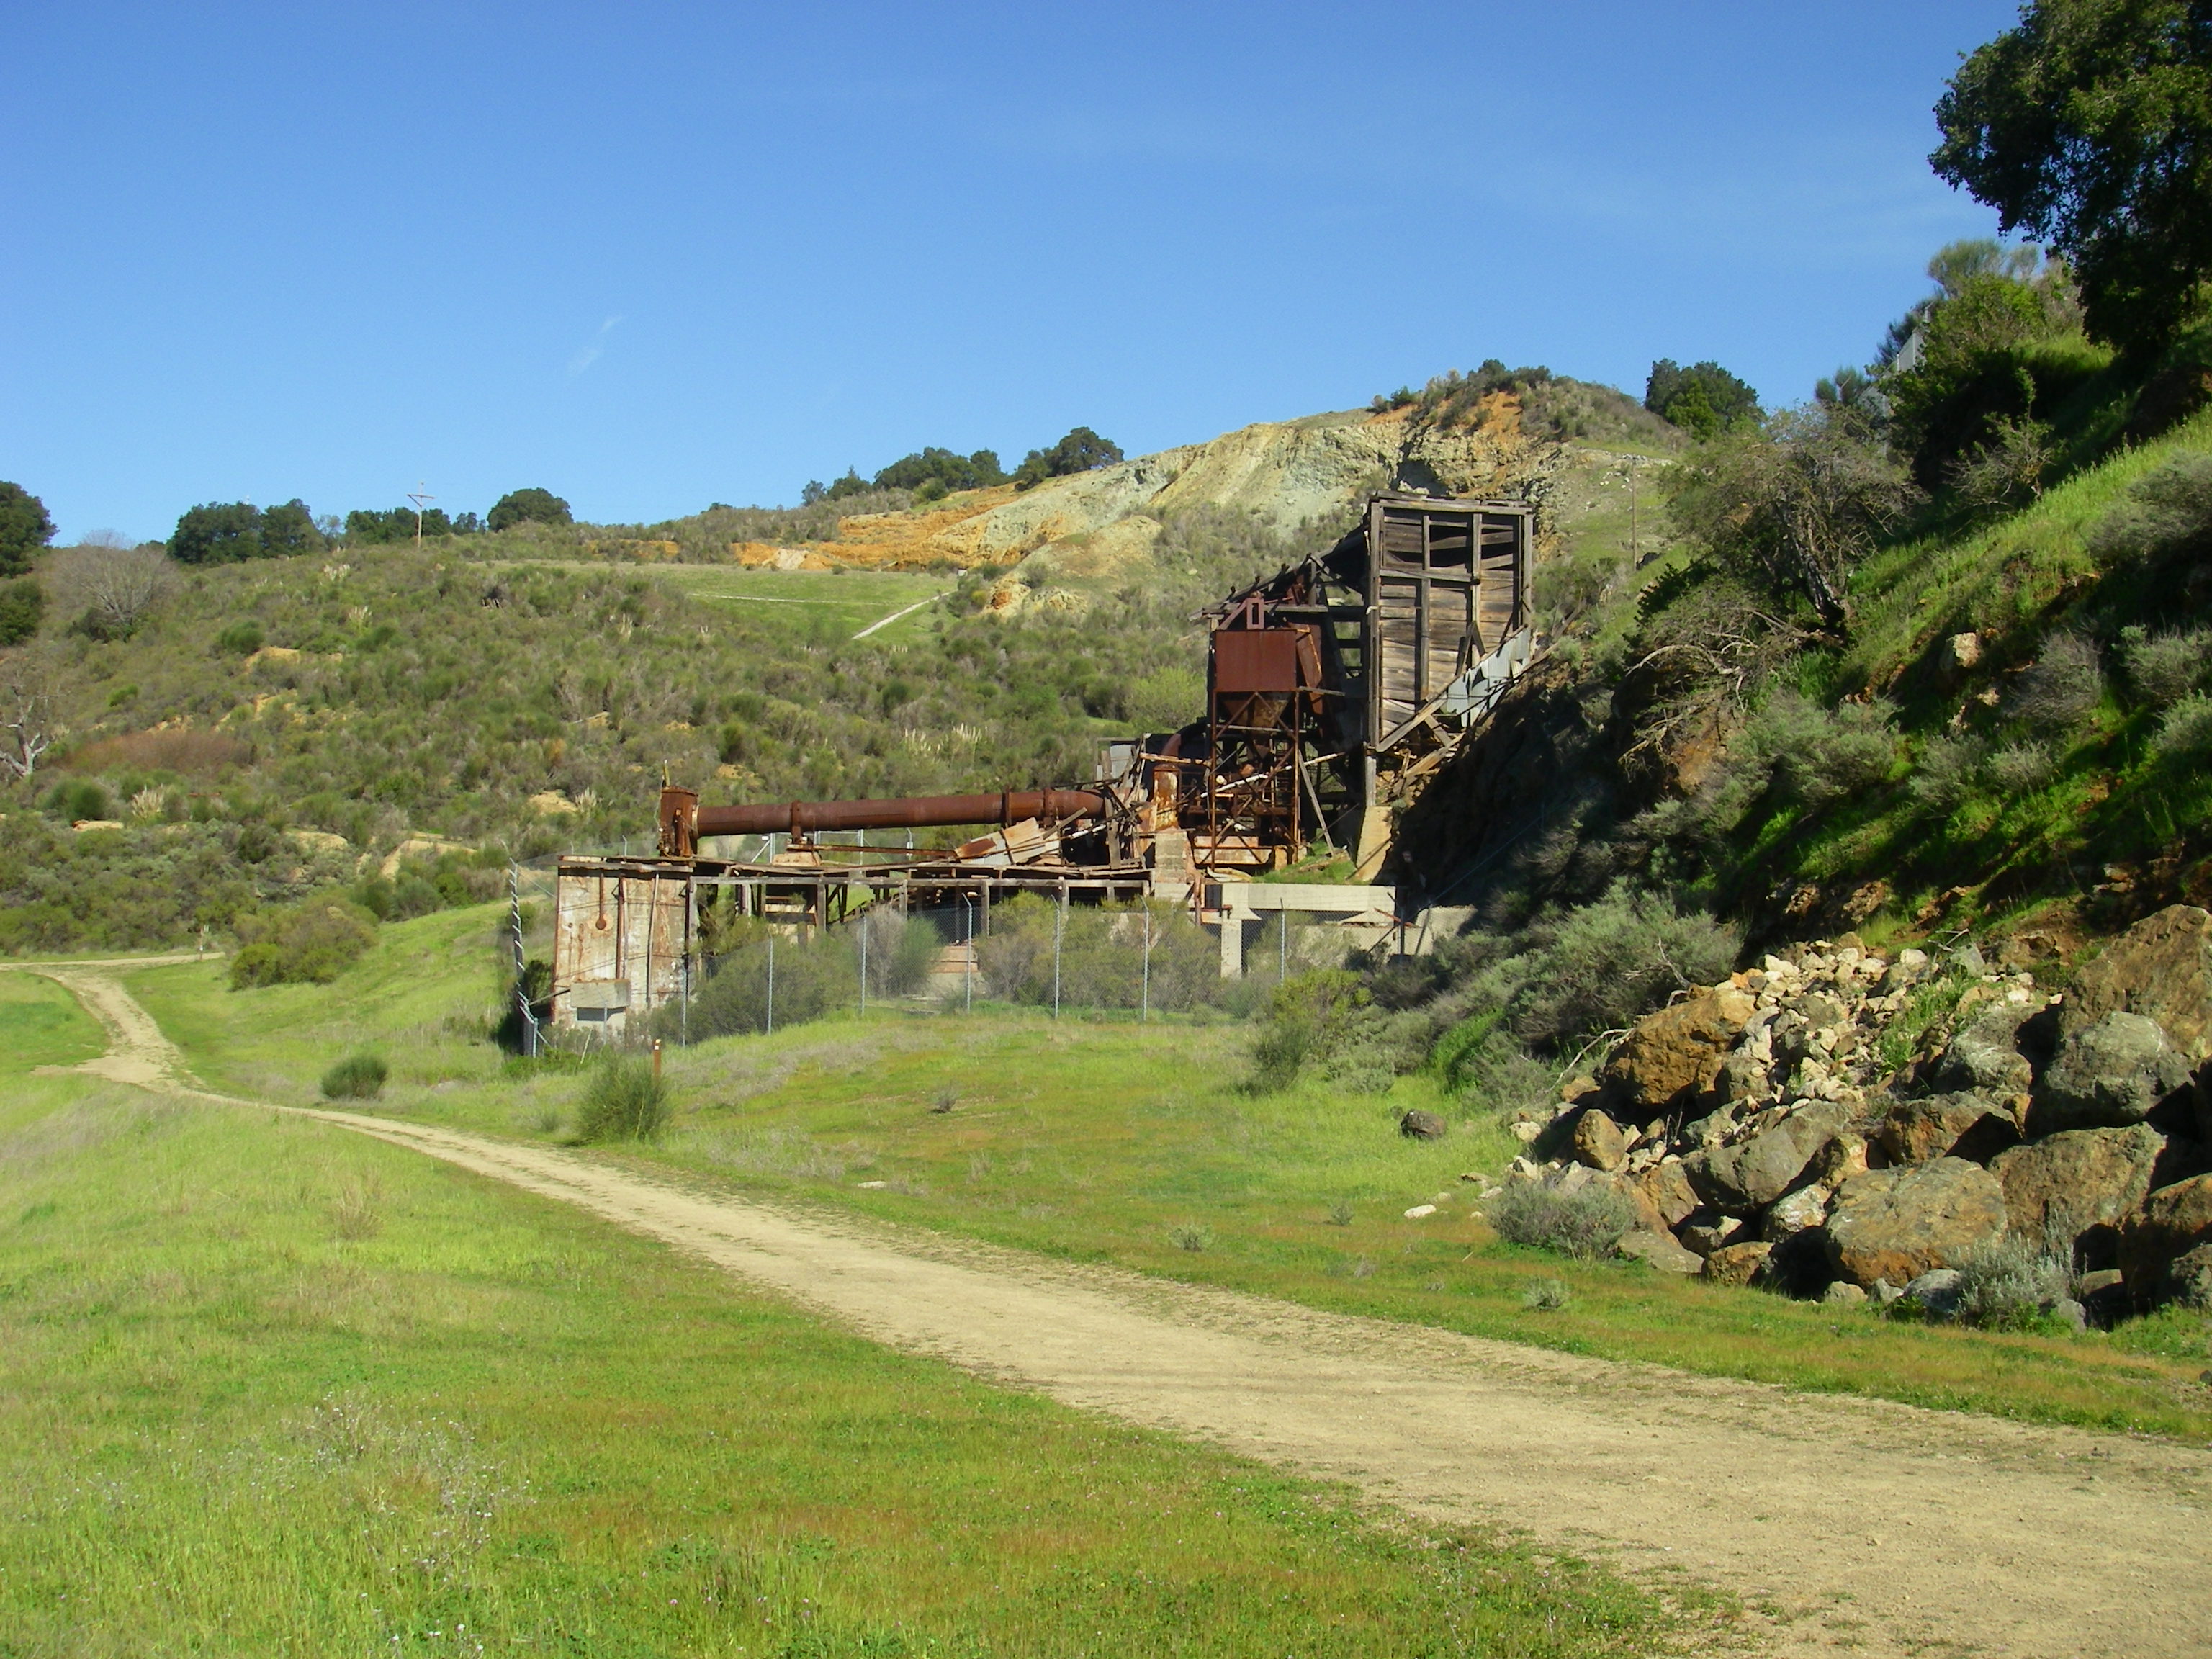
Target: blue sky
{"points": [[652, 256]]}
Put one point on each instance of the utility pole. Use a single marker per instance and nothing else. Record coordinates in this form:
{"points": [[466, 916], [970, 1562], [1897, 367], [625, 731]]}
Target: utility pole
{"points": [[419, 495]]}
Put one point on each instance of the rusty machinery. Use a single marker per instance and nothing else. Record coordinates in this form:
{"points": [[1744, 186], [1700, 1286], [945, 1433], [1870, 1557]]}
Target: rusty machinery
{"points": [[1335, 688]]}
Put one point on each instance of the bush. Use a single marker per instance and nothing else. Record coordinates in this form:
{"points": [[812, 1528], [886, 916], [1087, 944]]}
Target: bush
{"points": [[1326, 1020], [79, 799], [2061, 686], [1586, 1222], [240, 639], [311, 942], [1820, 755], [2019, 769], [219, 533], [2166, 518], [1604, 965], [2007, 470], [1945, 776], [1102, 956], [2164, 668], [2009, 1284], [623, 1102], [2185, 733], [357, 1077], [901, 949], [1702, 399], [22, 608], [813, 977]]}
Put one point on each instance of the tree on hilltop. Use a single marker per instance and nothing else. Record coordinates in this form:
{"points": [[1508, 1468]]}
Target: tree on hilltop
{"points": [[218, 533], [522, 507], [24, 529], [1080, 451], [2089, 128], [1702, 399]]}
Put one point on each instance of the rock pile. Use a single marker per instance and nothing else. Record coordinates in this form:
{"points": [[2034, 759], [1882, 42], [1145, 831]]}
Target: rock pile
{"points": [[1839, 1122]]}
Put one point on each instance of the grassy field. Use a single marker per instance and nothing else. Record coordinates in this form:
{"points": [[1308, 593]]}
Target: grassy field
{"points": [[854, 599], [268, 1387], [1095, 1139]]}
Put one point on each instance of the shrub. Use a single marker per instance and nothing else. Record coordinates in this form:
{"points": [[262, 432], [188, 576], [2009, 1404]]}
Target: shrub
{"points": [[1326, 1018], [623, 1102], [2009, 1284], [22, 608], [1190, 1237], [79, 799], [1948, 767], [901, 949], [2061, 686], [1702, 399], [311, 942], [1546, 1295], [2186, 732], [2019, 769], [1102, 956], [240, 639], [2166, 517], [813, 977], [357, 1077], [1821, 755], [2164, 668], [1339, 1213], [2009, 469], [1586, 1221], [218, 533], [1605, 963]]}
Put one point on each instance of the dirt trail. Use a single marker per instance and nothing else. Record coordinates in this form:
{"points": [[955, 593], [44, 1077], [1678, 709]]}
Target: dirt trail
{"points": [[1870, 1527]]}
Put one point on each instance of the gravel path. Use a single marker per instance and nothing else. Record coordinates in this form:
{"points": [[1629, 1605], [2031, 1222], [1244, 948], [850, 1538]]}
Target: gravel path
{"points": [[1863, 1526]]}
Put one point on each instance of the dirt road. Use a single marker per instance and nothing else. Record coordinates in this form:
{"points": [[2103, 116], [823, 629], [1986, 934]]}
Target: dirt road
{"points": [[1869, 1528]]}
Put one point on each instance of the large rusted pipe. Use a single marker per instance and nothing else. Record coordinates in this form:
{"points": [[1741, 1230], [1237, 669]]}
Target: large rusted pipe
{"points": [[914, 812]]}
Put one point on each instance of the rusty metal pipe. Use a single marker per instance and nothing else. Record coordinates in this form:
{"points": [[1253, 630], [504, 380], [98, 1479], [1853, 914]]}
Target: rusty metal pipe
{"points": [[914, 812]]}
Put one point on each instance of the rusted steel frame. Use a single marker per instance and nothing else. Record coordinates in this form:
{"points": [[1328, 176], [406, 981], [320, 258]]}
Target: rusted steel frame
{"points": [[914, 812]]}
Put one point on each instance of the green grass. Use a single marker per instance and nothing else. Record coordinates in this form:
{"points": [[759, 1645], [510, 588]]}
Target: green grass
{"points": [[1098, 1139], [268, 1387], [852, 600], [40, 1025]]}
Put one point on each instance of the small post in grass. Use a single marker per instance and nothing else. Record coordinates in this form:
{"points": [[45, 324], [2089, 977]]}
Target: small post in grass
{"points": [[1145, 996], [967, 962], [656, 1062], [1059, 928], [864, 964], [771, 982]]}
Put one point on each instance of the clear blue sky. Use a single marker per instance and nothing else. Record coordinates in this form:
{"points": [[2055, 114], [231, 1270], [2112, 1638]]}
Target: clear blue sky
{"points": [[652, 256]]}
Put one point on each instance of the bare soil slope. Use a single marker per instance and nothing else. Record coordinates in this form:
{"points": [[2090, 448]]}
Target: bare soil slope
{"points": [[1865, 1526]]}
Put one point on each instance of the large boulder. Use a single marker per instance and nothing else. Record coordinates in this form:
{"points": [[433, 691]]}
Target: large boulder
{"points": [[2161, 969], [1659, 1250], [1675, 1053], [2173, 1221], [1968, 1124], [1665, 1190], [1985, 1054], [1759, 1169], [1599, 1141], [2072, 1191], [1736, 1264], [2108, 1073], [1899, 1223]]}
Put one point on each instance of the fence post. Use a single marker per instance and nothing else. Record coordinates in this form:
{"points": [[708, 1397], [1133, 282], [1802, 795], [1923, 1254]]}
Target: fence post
{"points": [[1059, 928], [864, 964], [1282, 946], [1144, 997], [771, 983], [967, 962]]}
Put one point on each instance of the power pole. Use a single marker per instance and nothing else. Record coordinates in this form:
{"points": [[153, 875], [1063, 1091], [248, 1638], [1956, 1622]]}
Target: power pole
{"points": [[419, 495]]}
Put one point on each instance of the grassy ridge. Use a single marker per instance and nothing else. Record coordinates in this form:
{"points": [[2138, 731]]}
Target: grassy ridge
{"points": [[1100, 1141], [267, 1387]]}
